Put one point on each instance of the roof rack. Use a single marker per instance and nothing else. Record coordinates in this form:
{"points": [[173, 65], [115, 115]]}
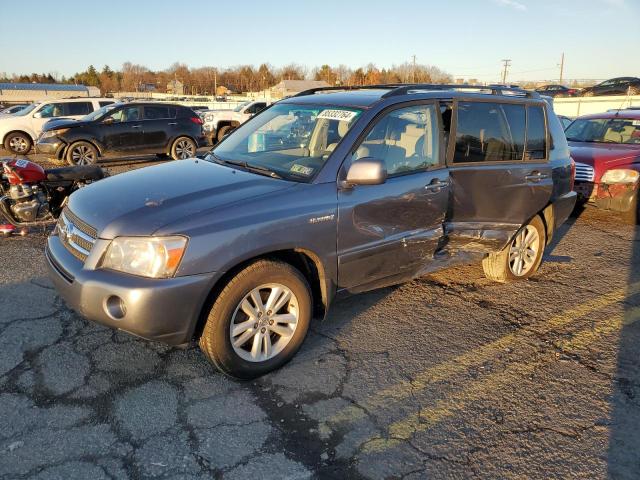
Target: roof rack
{"points": [[396, 89]]}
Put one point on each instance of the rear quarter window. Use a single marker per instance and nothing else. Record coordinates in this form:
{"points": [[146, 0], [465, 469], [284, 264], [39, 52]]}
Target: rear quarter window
{"points": [[536, 134], [79, 108]]}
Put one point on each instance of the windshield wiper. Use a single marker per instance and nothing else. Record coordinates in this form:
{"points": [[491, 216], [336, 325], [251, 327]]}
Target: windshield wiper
{"points": [[260, 170]]}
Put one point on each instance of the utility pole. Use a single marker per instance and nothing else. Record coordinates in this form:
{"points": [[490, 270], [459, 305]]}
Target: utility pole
{"points": [[561, 67], [413, 70], [507, 64]]}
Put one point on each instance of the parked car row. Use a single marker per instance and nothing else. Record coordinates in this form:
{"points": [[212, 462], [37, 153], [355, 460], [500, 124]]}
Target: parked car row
{"points": [[82, 131], [614, 86]]}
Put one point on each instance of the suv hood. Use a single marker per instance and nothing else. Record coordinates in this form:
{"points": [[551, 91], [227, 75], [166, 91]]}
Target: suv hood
{"points": [[57, 123], [142, 201], [603, 156]]}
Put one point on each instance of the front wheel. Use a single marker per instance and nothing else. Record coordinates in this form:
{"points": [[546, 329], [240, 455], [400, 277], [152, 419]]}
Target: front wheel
{"points": [[521, 258], [223, 132], [18, 143], [259, 320], [82, 153], [183, 148]]}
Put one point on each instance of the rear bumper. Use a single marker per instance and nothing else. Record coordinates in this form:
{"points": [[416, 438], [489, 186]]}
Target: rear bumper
{"points": [[563, 206], [165, 310]]}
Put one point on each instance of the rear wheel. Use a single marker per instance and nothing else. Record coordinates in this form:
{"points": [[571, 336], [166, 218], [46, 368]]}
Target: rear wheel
{"points": [[521, 258], [259, 320], [223, 132], [183, 148], [82, 153], [18, 143]]}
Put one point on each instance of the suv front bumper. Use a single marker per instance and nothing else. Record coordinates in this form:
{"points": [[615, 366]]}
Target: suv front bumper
{"points": [[615, 197], [165, 310], [51, 147]]}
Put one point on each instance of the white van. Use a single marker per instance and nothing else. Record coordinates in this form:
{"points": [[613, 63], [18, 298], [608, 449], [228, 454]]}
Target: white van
{"points": [[19, 131]]}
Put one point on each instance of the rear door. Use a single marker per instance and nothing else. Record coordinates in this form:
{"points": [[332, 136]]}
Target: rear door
{"points": [[389, 232], [158, 124], [499, 169]]}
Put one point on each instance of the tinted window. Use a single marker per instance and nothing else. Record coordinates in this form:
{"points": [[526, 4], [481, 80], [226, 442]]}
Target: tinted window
{"points": [[489, 132], [536, 134], [155, 113], [104, 104], [80, 108], [405, 139], [256, 107]]}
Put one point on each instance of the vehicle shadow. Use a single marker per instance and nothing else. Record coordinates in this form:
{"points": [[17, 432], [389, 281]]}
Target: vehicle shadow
{"points": [[623, 456]]}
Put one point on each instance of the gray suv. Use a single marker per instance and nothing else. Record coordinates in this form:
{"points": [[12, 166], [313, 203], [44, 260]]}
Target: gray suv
{"points": [[328, 191]]}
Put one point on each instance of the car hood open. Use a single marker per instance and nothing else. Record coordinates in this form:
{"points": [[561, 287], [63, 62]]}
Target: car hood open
{"points": [[142, 201]]}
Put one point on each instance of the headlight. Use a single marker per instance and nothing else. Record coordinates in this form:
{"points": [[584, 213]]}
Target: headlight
{"points": [[621, 175], [54, 133], [154, 257]]}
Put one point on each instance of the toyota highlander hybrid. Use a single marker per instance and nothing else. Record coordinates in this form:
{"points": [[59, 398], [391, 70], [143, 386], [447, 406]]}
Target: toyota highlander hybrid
{"points": [[331, 190]]}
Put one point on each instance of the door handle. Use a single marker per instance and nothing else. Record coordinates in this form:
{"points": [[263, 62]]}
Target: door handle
{"points": [[136, 126], [535, 177], [436, 185], [172, 123]]}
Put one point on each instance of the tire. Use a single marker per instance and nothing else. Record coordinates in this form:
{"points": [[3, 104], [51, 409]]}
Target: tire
{"points": [[503, 266], [81, 153], [182, 148], [18, 143], [237, 298], [632, 215], [223, 132]]}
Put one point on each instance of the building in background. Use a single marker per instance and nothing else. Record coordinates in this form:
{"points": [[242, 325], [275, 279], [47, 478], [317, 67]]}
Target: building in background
{"points": [[175, 87], [11, 93], [287, 88]]}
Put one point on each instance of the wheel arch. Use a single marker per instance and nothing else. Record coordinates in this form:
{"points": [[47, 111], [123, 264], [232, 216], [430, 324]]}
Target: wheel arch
{"points": [[174, 139], [77, 140], [305, 261], [18, 130]]}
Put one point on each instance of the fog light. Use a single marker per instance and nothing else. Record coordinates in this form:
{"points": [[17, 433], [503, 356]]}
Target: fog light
{"points": [[115, 307]]}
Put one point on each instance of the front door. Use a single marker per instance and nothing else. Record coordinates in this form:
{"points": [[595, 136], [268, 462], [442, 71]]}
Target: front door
{"points": [[123, 129], [500, 174], [388, 232]]}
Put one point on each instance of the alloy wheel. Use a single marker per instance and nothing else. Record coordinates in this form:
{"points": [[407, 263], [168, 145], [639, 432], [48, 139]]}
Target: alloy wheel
{"points": [[185, 149], [264, 322], [524, 251], [18, 144], [82, 155]]}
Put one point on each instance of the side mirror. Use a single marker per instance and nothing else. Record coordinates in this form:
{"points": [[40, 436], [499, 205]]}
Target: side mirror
{"points": [[366, 171], [108, 121]]}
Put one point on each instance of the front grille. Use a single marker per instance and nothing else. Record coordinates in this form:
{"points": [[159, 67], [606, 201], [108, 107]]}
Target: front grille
{"points": [[77, 236], [584, 172]]}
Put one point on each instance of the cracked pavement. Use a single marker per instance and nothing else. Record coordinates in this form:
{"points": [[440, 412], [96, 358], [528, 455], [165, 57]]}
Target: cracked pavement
{"points": [[448, 376]]}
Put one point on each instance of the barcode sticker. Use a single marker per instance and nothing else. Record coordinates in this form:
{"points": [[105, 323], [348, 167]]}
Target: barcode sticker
{"points": [[340, 115]]}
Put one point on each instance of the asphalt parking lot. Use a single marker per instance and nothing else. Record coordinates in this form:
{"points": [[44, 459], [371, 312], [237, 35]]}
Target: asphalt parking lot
{"points": [[448, 376]]}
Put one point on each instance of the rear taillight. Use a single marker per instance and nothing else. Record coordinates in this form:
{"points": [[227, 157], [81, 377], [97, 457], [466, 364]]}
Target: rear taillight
{"points": [[571, 91], [573, 173], [196, 120]]}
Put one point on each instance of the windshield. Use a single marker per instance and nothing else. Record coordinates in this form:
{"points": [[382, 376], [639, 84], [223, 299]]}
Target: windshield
{"points": [[605, 130], [292, 141], [100, 112], [26, 110], [241, 106]]}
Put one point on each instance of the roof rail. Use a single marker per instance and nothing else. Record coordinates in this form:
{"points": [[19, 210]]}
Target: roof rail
{"points": [[494, 89], [396, 89]]}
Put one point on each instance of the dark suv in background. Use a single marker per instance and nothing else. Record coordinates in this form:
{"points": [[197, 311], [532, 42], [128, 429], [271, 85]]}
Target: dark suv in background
{"points": [[614, 86], [323, 192], [124, 129]]}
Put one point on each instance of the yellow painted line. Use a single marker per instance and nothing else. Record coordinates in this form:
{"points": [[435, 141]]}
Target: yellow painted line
{"points": [[480, 389], [479, 355]]}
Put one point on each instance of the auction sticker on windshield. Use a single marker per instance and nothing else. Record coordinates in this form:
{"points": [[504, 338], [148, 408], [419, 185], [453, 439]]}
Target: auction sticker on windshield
{"points": [[301, 169], [341, 115]]}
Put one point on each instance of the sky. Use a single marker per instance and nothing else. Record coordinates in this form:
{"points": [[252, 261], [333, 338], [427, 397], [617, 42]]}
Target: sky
{"points": [[466, 38]]}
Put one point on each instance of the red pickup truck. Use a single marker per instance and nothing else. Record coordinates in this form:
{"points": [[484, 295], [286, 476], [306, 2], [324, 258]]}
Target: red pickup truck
{"points": [[606, 150]]}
